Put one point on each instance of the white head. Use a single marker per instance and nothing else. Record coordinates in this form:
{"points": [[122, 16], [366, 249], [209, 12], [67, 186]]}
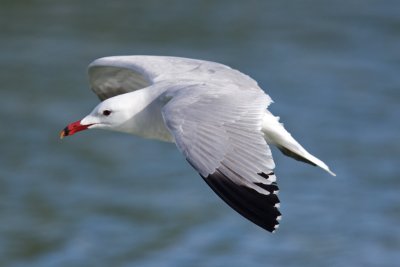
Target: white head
{"points": [[112, 114]]}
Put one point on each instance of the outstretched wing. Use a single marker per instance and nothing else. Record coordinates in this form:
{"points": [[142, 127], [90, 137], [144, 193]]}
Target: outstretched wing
{"points": [[111, 76], [218, 129]]}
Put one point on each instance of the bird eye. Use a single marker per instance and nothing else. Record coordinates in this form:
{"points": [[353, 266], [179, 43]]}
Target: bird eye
{"points": [[106, 112]]}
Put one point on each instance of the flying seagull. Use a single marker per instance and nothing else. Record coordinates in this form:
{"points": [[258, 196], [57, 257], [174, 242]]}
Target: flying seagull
{"points": [[216, 116]]}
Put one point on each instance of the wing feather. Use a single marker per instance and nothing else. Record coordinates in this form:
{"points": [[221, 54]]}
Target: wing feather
{"points": [[111, 76], [217, 127]]}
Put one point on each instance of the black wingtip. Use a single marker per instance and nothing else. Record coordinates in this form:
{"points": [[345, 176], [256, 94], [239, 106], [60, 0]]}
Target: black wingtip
{"points": [[261, 209]]}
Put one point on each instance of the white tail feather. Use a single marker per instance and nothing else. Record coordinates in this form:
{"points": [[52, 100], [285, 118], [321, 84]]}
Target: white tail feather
{"points": [[277, 135]]}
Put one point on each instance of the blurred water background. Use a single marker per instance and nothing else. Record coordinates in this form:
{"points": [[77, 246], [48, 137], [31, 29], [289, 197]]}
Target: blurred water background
{"points": [[107, 199]]}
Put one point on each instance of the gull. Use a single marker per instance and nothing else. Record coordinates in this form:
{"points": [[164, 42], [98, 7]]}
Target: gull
{"points": [[216, 116]]}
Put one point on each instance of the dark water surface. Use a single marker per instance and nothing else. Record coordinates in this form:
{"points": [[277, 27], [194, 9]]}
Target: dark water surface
{"points": [[107, 199]]}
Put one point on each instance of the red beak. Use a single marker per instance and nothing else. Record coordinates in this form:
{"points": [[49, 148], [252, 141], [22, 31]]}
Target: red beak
{"points": [[73, 128]]}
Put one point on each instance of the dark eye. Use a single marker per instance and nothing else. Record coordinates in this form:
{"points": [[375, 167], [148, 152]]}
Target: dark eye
{"points": [[106, 112]]}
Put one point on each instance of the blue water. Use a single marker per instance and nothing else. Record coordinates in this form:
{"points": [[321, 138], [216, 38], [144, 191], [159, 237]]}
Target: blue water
{"points": [[107, 199]]}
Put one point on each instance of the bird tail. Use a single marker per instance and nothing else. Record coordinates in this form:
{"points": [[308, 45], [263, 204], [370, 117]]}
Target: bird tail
{"points": [[276, 134]]}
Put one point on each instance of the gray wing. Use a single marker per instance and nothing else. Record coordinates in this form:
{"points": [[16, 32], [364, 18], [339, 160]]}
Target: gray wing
{"points": [[111, 76], [218, 129]]}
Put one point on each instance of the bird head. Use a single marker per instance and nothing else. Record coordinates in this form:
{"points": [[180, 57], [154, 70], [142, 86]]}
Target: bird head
{"points": [[109, 114]]}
